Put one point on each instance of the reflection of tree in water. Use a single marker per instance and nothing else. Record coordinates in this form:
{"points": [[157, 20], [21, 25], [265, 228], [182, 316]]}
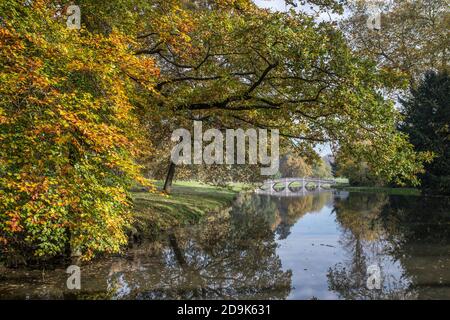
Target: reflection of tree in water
{"points": [[236, 257], [359, 214], [231, 257], [412, 219], [291, 209], [263, 206], [363, 237], [281, 213], [419, 232], [234, 254]]}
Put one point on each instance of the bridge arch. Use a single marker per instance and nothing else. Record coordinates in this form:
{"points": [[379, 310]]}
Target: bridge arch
{"points": [[279, 186], [295, 185]]}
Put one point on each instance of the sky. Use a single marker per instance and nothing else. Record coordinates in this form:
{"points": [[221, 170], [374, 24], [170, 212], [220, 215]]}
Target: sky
{"points": [[271, 4], [280, 5]]}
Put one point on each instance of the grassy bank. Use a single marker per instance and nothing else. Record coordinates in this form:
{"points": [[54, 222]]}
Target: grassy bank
{"points": [[188, 202], [387, 190]]}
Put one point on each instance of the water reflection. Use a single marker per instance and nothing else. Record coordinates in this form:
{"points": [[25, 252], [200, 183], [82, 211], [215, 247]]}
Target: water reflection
{"points": [[364, 240], [264, 247]]}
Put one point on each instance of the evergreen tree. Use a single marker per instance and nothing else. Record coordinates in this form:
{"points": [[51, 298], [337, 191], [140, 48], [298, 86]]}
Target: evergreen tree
{"points": [[427, 121]]}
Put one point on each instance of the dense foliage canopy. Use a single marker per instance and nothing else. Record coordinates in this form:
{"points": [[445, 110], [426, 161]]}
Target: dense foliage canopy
{"points": [[68, 132], [79, 109]]}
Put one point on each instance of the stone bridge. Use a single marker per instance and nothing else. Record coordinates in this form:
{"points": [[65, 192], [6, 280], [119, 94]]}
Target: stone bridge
{"points": [[295, 186]]}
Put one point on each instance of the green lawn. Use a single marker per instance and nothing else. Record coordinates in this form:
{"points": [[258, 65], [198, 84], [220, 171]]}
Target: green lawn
{"points": [[387, 190], [341, 180], [188, 202]]}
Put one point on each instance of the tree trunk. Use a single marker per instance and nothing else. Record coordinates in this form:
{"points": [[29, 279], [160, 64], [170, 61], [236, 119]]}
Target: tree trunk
{"points": [[179, 256], [198, 291], [169, 178]]}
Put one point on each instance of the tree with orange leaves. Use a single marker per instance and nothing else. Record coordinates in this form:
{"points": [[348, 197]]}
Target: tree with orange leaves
{"points": [[69, 132]]}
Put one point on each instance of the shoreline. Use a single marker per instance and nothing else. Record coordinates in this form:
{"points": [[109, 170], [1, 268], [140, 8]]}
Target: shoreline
{"points": [[188, 203], [386, 190]]}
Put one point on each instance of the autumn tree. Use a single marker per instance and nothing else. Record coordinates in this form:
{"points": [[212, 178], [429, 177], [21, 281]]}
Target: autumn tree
{"points": [[80, 108], [68, 130], [413, 35], [358, 171], [412, 40], [294, 166], [322, 169], [236, 65]]}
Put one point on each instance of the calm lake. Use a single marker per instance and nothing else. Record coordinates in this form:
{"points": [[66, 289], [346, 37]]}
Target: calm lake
{"points": [[317, 246]]}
